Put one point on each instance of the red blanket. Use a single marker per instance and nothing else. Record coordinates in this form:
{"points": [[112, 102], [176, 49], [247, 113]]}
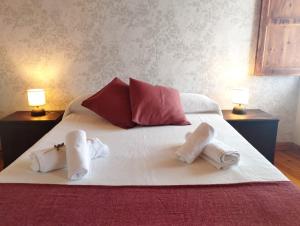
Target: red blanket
{"points": [[239, 204]]}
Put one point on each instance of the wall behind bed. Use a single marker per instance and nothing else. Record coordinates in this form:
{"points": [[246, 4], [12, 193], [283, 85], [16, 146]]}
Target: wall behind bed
{"points": [[74, 47]]}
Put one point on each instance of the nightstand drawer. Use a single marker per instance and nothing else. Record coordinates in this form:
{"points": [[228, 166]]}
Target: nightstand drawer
{"points": [[18, 137], [261, 134], [19, 131], [258, 128]]}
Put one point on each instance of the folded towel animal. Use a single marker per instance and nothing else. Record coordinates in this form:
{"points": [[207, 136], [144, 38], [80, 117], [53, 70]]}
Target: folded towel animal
{"points": [[49, 159], [195, 143], [220, 155]]}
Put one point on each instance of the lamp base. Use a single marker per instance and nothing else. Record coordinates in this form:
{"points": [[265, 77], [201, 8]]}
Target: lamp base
{"points": [[239, 110], [38, 112]]}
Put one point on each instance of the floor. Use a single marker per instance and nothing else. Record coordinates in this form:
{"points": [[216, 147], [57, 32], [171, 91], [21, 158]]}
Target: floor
{"points": [[288, 161], [1, 162]]}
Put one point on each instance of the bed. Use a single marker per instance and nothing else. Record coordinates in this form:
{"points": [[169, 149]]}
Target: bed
{"points": [[142, 183]]}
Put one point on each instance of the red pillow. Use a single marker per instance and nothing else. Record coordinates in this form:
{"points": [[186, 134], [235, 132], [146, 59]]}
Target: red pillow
{"points": [[155, 105], [112, 103]]}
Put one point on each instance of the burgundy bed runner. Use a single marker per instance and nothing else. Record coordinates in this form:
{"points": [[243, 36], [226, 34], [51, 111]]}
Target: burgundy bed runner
{"points": [[239, 204]]}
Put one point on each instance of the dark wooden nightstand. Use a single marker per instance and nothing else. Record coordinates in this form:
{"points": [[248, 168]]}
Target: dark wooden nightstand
{"points": [[258, 128], [19, 131]]}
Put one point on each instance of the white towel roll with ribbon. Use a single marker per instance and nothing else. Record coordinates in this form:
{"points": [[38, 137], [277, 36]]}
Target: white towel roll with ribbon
{"points": [[50, 159], [78, 158]]}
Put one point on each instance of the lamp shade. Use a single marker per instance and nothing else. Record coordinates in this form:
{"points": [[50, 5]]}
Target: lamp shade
{"points": [[240, 96], [36, 97]]}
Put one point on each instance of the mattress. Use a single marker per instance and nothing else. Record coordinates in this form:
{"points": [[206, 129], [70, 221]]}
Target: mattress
{"points": [[145, 156]]}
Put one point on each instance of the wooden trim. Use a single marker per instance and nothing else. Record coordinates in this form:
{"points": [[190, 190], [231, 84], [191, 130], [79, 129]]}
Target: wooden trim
{"points": [[1, 157], [1, 151], [280, 71], [287, 146], [251, 115], [261, 33]]}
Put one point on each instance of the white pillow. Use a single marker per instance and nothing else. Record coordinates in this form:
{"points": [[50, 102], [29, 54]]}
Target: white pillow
{"points": [[75, 107], [191, 103], [197, 103]]}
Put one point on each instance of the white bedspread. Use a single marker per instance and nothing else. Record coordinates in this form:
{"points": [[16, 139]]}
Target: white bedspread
{"points": [[146, 156]]}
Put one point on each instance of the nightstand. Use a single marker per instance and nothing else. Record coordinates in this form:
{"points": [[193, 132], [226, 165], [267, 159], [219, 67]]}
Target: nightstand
{"points": [[258, 128], [19, 131]]}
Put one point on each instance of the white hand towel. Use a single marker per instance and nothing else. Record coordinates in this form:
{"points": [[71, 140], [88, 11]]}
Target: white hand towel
{"points": [[195, 143], [46, 160], [49, 159], [78, 159], [220, 155], [97, 149]]}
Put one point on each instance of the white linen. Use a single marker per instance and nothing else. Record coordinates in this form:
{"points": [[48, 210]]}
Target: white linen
{"points": [[220, 155], [191, 103], [146, 156], [76, 107], [48, 159], [195, 143], [198, 103], [78, 158]]}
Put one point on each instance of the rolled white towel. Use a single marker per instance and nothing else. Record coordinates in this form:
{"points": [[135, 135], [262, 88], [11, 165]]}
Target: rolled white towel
{"points": [[49, 159], [220, 155], [78, 159], [195, 143]]}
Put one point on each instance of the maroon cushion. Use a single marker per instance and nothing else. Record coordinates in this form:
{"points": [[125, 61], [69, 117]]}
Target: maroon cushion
{"points": [[112, 103], [155, 105]]}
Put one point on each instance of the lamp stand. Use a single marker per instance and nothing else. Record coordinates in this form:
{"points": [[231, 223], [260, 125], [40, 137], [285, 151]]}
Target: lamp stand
{"points": [[239, 109], [38, 112]]}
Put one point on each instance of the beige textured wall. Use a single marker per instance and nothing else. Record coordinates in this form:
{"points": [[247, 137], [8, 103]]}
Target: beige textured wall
{"points": [[72, 47]]}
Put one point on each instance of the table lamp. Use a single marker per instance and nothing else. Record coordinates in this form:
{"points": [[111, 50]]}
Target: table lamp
{"points": [[36, 98], [240, 98]]}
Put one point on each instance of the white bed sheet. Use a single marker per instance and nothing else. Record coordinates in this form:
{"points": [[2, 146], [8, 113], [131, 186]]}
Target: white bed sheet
{"points": [[146, 156]]}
